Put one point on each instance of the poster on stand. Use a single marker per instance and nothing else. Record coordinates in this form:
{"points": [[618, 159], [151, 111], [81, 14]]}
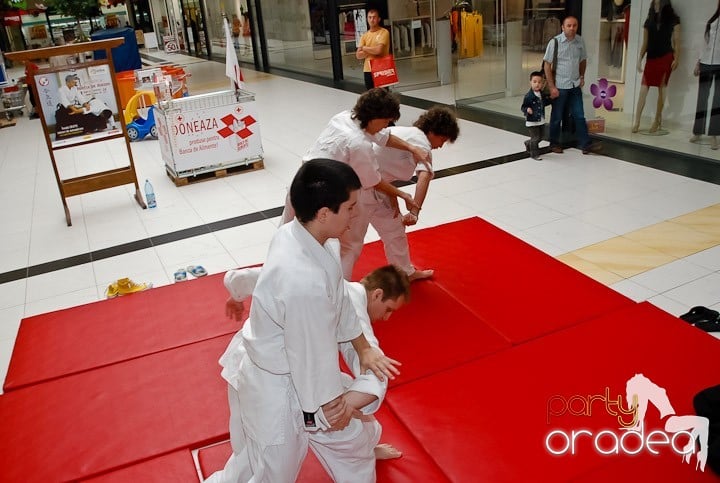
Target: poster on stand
{"points": [[78, 105]]}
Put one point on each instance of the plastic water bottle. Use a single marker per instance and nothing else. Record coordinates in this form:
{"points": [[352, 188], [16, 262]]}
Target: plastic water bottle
{"points": [[150, 194]]}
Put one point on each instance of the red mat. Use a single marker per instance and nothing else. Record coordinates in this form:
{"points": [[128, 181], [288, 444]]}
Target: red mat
{"points": [[520, 291], [489, 418], [434, 323], [176, 467], [94, 335], [99, 420], [414, 466]]}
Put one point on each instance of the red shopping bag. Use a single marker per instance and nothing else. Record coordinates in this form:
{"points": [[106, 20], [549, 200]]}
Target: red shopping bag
{"points": [[383, 71]]}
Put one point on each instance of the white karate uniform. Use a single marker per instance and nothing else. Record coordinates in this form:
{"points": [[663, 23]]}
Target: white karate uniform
{"points": [[343, 140], [396, 164], [347, 455]]}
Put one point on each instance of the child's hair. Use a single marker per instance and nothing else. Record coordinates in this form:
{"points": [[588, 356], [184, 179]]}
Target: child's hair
{"points": [[393, 282], [536, 73], [376, 103], [321, 183], [439, 120]]}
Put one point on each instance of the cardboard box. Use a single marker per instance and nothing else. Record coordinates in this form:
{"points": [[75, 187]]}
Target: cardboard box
{"points": [[596, 125]]}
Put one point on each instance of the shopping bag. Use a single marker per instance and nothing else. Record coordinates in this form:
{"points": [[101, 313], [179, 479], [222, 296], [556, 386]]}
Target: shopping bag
{"points": [[383, 71]]}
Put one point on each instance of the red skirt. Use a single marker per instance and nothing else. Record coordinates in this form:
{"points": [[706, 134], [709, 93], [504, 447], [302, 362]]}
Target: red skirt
{"points": [[657, 71]]}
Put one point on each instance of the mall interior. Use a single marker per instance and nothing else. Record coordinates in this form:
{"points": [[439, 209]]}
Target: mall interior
{"points": [[641, 217]]}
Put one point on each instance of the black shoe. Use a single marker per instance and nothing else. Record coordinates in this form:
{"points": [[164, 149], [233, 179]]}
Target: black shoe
{"points": [[592, 148], [700, 314]]}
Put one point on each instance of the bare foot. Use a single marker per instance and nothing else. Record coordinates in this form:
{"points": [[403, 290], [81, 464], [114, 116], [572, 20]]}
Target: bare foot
{"points": [[421, 274], [386, 451], [636, 128]]}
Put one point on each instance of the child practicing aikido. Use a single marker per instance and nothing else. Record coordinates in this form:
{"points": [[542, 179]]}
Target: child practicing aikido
{"points": [[284, 382], [432, 130], [349, 137], [375, 297]]}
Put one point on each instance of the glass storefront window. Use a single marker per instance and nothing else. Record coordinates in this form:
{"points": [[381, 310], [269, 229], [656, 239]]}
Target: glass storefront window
{"points": [[515, 33]]}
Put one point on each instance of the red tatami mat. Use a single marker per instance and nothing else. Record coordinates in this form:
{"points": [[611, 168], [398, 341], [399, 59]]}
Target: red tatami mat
{"points": [[94, 335], [414, 466], [488, 420], [174, 467], [90, 423], [520, 291], [432, 322]]}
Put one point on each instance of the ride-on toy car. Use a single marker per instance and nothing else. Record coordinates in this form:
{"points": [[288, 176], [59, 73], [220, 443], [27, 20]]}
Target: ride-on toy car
{"points": [[139, 127]]}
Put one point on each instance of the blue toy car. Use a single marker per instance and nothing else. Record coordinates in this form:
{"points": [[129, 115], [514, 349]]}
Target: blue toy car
{"points": [[139, 127]]}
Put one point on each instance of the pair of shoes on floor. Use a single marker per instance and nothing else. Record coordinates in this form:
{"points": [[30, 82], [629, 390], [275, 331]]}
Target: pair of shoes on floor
{"points": [[703, 318], [556, 149], [592, 148], [194, 270], [125, 286]]}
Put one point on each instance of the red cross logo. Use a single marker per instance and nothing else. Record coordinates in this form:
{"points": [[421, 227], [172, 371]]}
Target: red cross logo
{"points": [[243, 132]]}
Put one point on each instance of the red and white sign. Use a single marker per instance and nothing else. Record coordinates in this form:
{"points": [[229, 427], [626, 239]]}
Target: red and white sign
{"points": [[218, 136]]}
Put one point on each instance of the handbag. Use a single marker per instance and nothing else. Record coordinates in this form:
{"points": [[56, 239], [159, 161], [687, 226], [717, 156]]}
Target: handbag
{"points": [[384, 73]]}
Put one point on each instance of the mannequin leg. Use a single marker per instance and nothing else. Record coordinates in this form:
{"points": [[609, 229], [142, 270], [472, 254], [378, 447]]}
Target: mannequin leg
{"points": [[704, 81], [658, 110], [640, 106], [714, 78]]}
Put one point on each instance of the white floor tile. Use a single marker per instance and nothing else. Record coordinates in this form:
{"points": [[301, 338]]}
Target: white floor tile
{"points": [[62, 301], [632, 290], [12, 294], [10, 322], [55, 284], [703, 291], [570, 233], [670, 275]]}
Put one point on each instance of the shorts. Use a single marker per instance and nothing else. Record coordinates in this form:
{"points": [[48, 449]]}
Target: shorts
{"points": [[657, 71]]}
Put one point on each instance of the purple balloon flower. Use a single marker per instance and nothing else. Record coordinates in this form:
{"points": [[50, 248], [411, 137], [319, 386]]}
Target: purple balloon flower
{"points": [[603, 93]]}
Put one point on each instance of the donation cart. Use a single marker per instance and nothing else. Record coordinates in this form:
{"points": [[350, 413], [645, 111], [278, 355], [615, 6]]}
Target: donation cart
{"points": [[209, 134]]}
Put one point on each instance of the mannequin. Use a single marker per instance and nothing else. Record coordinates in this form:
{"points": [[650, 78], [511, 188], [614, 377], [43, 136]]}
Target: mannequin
{"points": [[707, 69], [661, 44]]}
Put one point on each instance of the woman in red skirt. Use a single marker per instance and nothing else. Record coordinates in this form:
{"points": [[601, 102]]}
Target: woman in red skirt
{"points": [[661, 37]]}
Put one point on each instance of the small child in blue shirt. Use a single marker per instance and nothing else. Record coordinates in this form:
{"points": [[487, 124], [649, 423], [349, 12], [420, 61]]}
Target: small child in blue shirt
{"points": [[533, 107]]}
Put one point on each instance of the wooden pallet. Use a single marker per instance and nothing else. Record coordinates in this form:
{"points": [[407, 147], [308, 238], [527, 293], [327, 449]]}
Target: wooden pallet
{"points": [[220, 173], [7, 122]]}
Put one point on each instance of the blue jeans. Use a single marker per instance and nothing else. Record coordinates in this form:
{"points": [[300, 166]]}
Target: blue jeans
{"points": [[573, 99]]}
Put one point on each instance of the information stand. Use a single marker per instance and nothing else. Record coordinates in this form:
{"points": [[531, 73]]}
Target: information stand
{"points": [[94, 120]]}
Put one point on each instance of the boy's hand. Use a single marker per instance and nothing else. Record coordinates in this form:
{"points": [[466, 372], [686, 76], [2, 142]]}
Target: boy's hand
{"points": [[234, 309], [529, 111], [381, 365], [338, 413]]}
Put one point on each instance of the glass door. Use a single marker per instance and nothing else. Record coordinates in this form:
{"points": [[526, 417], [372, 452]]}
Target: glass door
{"points": [[480, 42]]}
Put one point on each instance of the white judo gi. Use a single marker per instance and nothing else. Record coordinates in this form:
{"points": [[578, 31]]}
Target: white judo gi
{"points": [[284, 362], [344, 140], [396, 164]]}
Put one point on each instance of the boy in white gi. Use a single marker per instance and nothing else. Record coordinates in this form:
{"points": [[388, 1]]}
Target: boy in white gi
{"points": [[375, 297], [283, 372], [431, 131], [349, 137]]}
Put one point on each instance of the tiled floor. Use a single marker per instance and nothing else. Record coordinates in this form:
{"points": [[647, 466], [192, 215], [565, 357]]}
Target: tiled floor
{"points": [[646, 233]]}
